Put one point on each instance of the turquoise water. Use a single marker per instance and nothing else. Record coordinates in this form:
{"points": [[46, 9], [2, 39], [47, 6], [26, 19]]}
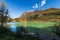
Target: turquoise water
{"points": [[38, 24], [32, 26], [38, 27]]}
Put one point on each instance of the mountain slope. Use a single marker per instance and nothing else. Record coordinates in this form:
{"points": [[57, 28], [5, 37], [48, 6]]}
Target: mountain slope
{"points": [[51, 14]]}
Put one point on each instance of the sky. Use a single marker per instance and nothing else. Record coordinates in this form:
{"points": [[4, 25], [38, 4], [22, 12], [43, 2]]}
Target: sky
{"points": [[18, 7]]}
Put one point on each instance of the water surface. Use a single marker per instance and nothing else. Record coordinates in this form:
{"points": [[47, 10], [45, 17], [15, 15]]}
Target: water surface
{"points": [[13, 26]]}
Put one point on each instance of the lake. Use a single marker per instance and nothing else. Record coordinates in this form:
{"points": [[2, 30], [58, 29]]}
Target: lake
{"points": [[43, 30], [32, 26], [36, 26]]}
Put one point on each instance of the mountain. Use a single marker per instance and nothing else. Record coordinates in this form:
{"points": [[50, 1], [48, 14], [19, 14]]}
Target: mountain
{"points": [[51, 14]]}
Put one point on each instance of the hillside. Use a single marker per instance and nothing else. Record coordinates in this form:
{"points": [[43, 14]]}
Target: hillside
{"points": [[51, 14]]}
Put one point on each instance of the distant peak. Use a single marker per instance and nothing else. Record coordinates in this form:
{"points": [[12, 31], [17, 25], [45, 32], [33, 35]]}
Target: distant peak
{"points": [[51, 9]]}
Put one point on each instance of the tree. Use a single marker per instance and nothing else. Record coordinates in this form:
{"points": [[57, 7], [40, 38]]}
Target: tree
{"points": [[3, 14]]}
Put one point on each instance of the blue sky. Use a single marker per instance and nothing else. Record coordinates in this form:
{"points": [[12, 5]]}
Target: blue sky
{"points": [[18, 7]]}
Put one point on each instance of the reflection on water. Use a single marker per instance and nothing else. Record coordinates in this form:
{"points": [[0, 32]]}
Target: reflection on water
{"points": [[13, 26]]}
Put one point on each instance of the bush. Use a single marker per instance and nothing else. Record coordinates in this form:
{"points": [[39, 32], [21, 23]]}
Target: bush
{"points": [[56, 29]]}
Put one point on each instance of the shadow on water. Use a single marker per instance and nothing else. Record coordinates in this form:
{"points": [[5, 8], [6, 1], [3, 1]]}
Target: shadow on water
{"points": [[28, 33]]}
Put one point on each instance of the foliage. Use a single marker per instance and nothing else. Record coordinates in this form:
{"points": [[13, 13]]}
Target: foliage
{"points": [[57, 29], [3, 15]]}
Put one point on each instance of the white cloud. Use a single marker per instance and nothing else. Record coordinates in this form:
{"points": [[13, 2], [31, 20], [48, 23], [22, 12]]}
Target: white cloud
{"points": [[35, 6], [43, 2]]}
